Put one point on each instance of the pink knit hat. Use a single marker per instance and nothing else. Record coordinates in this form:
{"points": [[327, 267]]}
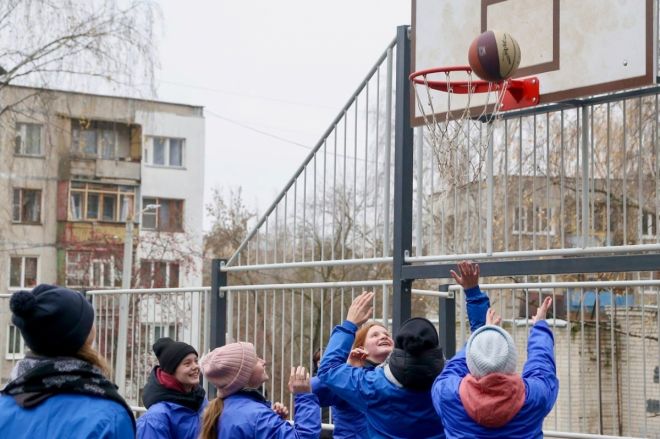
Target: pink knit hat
{"points": [[229, 367]]}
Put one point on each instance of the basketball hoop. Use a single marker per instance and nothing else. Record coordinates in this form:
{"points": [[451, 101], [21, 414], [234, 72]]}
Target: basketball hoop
{"points": [[449, 129]]}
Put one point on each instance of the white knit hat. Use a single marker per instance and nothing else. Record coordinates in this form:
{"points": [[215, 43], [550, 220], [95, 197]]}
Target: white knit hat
{"points": [[490, 349], [229, 367]]}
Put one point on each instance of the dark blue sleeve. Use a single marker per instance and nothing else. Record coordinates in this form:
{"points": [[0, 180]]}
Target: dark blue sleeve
{"points": [[540, 372], [346, 382], [477, 307], [323, 392]]}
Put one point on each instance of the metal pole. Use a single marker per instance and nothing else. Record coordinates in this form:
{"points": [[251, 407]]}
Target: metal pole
{"points": [[490, 188], [585, 176], [218, 320], [388, 152], [403, 184], [447, 322], [122, 340]]}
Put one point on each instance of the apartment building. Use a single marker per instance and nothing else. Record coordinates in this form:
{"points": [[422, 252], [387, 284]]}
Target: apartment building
{"points": [[76, 168]]}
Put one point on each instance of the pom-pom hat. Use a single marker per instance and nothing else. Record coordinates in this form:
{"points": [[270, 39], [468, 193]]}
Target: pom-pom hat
{"points": [[54, 321]]}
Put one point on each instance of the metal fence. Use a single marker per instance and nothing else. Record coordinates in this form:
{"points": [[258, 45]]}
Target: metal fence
{"points": [[606, 340], [128, 322]]}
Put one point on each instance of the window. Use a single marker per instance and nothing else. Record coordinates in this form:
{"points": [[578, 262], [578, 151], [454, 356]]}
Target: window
{"points": [[103, 140], [159, 274], [15, 344], [524, 221], [164, 330], [649, 224], [168, 217], [28, 139], [26, 206], [164, 151], [22, 272], [90, 202], [89, 269]]}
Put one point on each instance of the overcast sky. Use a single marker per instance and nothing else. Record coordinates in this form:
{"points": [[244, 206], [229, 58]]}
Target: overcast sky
{"points": [[284, 68]]}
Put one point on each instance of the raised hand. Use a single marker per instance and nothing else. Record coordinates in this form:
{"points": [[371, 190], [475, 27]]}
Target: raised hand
{"points": [[542, 310], [492, 318], [361, 308], [357, 356], [469, 274], [281, 410], [299, 381]]}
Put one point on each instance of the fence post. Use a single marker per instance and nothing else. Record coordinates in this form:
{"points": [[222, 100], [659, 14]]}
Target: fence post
{"points": [[403, 182], [218, 320], [447, 322], [218, 304]]}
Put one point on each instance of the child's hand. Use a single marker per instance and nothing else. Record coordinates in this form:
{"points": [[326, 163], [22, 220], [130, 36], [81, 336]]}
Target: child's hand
{"points": [[281, 410], [299, 381], [357, 356]]}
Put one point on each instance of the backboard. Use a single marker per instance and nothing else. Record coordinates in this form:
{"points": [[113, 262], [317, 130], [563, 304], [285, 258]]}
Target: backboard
{"points": [[576, 48]]}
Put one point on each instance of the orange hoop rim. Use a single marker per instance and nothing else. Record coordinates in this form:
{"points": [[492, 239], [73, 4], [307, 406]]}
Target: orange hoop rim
{"points": [[476, 86], [518, 93]]}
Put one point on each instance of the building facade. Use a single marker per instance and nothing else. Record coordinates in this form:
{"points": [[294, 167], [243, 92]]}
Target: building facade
{"points": [[76, 169]]}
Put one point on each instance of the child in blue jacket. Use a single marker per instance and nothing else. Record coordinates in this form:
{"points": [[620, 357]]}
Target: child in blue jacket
{"points": [[480, 396], [371, 348], [173, 397], [240, 411], [396, 398], [61, 387]]}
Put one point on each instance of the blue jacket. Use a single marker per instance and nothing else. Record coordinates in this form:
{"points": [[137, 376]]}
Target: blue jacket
{"points": [[246, 415], [541, 386], [349, 422], [167, 420], [392, 411], [65, 416]]}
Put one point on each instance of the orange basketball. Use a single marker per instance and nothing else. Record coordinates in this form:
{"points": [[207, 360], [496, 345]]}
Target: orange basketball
{"points": [[494, 56]]}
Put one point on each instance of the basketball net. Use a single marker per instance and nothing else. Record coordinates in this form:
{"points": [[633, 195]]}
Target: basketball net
{"points": [[450, 134]]}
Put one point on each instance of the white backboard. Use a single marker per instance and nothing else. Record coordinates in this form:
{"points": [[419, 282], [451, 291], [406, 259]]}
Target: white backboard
{"points": [[576, 48]]}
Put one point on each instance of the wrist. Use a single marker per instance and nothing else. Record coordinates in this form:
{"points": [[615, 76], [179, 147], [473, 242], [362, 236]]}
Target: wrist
{"points": [[351, 326]]}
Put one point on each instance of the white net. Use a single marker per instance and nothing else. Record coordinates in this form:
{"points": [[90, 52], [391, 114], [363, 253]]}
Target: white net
{"points": [[457, 130]]}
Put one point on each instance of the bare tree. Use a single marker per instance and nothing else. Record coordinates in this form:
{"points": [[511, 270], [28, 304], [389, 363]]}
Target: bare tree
{"points": [[99, 43]]}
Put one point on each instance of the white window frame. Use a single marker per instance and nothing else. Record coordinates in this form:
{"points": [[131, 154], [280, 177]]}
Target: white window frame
{"points": [[166, 330], [111, 191], [157, 212], [168, 266], [648, 232], [21, 136], [12, 356], [149, 152], [100, 128], [96, 264], [22, 274], [527, 226], [19, 204]]}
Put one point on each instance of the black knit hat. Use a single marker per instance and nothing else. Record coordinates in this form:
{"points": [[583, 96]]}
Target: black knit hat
{"points": [[54, 321], [170, 353], [417, 358], [416, 336]]}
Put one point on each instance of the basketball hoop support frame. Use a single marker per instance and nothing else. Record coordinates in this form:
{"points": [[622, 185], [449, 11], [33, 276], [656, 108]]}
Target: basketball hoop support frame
{"points": [[519, 93]]}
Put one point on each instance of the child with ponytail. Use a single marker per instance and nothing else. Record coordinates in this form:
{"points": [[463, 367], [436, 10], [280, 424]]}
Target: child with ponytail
{"points": [[240, 411]]}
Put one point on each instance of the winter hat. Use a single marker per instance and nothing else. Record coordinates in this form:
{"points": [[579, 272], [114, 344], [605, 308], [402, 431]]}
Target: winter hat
{"points": [[229, 367], [417, 358], [53, 321], [416, 336], [170, 353], [490, 349]]}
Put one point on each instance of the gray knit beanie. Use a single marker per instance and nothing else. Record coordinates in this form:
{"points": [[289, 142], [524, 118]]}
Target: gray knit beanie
{"points": [[490, 349]]}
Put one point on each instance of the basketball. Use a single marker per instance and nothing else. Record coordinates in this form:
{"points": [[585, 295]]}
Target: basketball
{"points": [[494, 56]]}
